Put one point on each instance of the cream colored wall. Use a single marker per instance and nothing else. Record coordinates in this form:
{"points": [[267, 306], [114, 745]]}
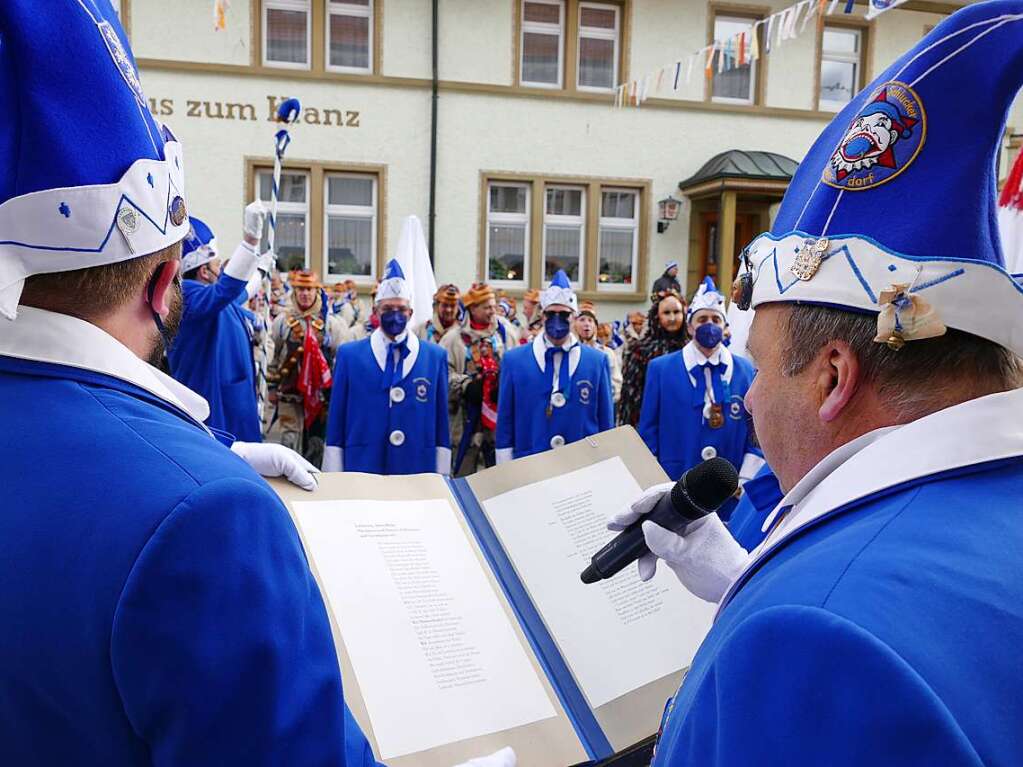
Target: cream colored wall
{"points": [[392, 132], [407, 30], [186, 32], [476, 41]]}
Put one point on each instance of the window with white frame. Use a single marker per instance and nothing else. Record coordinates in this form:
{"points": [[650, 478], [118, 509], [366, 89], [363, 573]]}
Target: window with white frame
{"points": [[732, 83], [618, 240], [350, 212], [598, 46], [507, 233], [286, 31], [564, 232], [291, 235], [543, 43], [350, 35], [840, 66]]}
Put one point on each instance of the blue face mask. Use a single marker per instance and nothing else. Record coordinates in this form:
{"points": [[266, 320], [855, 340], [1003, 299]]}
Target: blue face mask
{"points": [[709, 335], [393, 322], [556, 327]]}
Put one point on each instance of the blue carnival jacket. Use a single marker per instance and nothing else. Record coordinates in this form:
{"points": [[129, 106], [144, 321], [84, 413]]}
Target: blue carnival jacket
{"points": [[671, 420], [884, 625], [523, 424], [157, 604], [759, 497], [375, 428], [212, 355]]}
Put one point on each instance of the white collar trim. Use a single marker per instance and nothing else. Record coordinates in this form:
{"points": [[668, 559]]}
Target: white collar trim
{"points": [[692, 357], [885, 458], [379, 343], [541, 344], [59, 339]]}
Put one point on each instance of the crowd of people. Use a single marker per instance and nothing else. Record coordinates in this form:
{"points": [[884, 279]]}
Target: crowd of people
{"points": [[474, 384]]}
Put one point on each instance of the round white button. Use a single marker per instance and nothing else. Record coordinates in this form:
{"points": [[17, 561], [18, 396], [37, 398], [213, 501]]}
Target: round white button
{"points": [[397, 394], [708, 452], [558, 399], [397, 438], [557, 441]]}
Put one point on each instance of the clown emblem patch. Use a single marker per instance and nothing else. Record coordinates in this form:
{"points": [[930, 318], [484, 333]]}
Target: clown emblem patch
{"points": [[883, 140], [422, 389]]}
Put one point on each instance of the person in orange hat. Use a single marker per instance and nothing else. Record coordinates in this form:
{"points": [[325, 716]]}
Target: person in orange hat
{"points": [[345, 303], [305, 335], [475, 348], [586, 331], [445, 314], [531, 306]]}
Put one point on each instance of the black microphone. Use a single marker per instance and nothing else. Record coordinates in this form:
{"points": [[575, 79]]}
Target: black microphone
{"points": [[699, 492]]}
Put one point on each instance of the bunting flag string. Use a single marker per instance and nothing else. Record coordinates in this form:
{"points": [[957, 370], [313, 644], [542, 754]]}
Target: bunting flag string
{"points": [[743, 48]]}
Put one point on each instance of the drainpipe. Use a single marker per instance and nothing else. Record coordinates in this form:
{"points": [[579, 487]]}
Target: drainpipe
{"points": [[433, 140]]}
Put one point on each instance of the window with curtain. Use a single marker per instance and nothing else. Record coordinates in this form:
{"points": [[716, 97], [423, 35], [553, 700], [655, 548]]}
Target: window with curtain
{"points": [[292, 231], [543, 43], [507, 233], [733, 84], [618, 240], [564, 232], [350, 31], [840, 67], [286, 29], [350, 210], [598, 46]]}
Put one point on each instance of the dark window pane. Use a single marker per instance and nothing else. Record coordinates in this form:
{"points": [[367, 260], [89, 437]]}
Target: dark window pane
{"points": [[562, 251], [838, 81], [507, 252], [596, 63], [507, 199], [542, 12], [289, 241], [540, 58], [349, 245], [349, 41], [286, 36], [349, 190], [616, 256], [618, 205], [564, 202], [600, 18], [292, 187]]}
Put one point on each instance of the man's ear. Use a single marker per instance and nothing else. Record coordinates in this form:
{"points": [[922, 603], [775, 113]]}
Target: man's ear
{"points": [[159, 288], [837, 380]]}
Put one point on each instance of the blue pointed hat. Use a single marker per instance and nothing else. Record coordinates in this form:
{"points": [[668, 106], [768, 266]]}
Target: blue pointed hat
{"points": [[394, 284], [88, 176], [559, 292], [706, 297], [894, 207], [199, 246]]}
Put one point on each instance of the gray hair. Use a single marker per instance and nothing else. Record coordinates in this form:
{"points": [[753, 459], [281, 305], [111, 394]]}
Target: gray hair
{"points": [[921, 377]]}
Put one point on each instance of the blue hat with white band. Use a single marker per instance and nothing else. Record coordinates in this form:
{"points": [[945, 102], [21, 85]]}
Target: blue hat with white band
{"points": [[88, 176], [893, 210], [199, 246]]}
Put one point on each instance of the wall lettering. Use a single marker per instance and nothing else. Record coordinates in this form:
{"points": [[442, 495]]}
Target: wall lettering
{"points": [[233, 110]]}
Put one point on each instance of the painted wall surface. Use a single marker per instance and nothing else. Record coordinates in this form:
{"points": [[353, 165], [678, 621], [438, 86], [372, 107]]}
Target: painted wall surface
{"points": [[221, 115], [187, 34]]}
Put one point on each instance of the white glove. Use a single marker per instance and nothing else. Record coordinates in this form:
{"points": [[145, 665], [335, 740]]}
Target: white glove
{"points": [[254, 220], [503, 758], [265, 262], [706, 561], [272, 460]]}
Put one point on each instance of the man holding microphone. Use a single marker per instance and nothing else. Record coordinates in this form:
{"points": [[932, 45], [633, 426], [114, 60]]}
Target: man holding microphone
{"points": [[879, 621]]}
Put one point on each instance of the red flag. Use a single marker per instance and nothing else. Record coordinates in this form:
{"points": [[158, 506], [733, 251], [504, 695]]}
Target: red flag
{"points": [[314, 377]]}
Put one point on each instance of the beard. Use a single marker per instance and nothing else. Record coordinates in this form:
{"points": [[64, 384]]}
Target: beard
{"points": [[171, 324]]}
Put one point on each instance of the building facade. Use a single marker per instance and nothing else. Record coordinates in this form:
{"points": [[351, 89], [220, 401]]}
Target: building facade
{"points": [[534, 169]]}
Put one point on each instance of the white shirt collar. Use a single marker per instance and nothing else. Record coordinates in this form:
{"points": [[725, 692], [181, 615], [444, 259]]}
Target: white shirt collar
{"points": [[693, 357], [379, 343], [541, 344], [60, 339], [978, 431]]}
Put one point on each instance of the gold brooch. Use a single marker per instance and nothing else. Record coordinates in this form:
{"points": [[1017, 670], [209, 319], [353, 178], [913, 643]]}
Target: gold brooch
{"points": [[809, 259]]}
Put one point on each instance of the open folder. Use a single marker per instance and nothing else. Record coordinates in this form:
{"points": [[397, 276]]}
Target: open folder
{"points": [[460, 619]]}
